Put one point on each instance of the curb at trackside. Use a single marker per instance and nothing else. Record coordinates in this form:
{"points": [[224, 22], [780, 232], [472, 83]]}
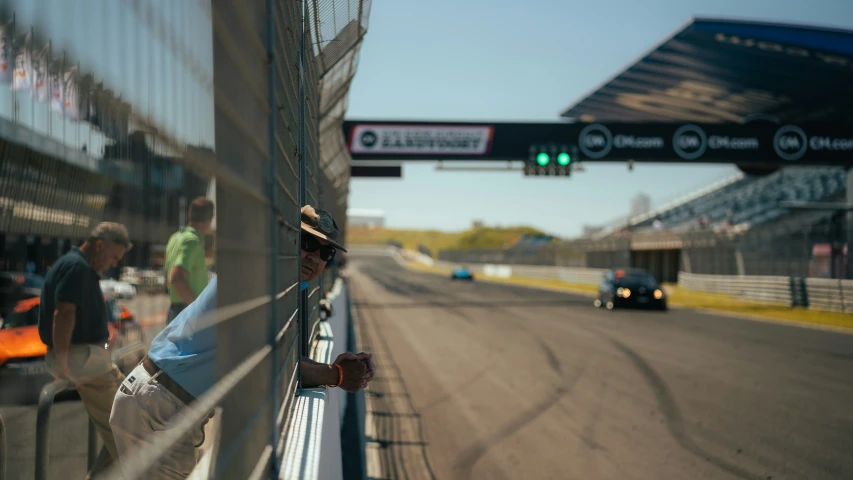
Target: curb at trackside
{"points": [[775, 321], [708, 311]]}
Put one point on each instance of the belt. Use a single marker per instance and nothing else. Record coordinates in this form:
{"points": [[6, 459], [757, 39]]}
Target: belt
{"points": [[168, 383]]}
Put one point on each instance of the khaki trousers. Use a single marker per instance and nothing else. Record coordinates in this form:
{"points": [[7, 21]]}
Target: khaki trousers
{"points": [[143, 412], [100, 379]]}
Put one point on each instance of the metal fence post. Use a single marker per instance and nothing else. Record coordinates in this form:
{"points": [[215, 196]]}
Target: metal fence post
{"points": [[274, 235], [303, 180], [46, 397]]}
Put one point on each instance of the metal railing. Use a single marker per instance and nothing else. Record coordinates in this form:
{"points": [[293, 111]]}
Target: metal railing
{"points": [[47, 396], [829, 294], [815, 293], [765, 289]]}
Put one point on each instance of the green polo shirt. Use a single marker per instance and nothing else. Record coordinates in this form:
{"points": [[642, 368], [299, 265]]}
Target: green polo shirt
{"points": [[186, 250]]}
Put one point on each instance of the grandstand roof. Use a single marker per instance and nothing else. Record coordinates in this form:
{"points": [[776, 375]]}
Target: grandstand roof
{"points": [[715, 70]]}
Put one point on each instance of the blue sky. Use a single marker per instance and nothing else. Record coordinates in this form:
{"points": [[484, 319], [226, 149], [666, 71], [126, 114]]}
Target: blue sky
{"points": [[503, 60]]}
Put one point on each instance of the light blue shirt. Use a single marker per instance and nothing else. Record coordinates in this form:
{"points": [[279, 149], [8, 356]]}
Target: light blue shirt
{"points": [[186, 348]]}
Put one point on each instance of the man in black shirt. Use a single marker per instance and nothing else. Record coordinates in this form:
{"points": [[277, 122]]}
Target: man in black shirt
{"points": [[73, 323]]}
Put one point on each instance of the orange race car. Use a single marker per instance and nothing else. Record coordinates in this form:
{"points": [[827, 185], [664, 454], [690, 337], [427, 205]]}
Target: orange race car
{"points": [[22, 368]]}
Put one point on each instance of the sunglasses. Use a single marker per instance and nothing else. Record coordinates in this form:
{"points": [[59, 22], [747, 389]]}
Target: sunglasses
{"points": [[311, 244]]}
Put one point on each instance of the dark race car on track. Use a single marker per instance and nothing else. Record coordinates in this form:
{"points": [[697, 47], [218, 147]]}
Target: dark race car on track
{"points": [[630, 287], [461, 274]]}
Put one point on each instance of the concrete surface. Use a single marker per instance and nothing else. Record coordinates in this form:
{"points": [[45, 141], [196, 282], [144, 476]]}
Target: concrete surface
{"points": [[482, 380], [69, 422]]}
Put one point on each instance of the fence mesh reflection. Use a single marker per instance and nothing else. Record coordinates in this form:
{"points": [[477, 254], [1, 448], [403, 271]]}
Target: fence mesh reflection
{"points": [[127, 111]]}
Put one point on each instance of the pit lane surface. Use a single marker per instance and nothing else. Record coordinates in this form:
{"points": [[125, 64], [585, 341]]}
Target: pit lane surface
{"points": [[68, 420], [479, 380]]}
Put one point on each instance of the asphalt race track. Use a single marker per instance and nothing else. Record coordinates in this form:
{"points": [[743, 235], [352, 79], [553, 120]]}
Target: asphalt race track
{"points": [[479, 380], [68, 419]]}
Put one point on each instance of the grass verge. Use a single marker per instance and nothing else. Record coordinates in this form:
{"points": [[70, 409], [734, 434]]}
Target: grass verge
{"points": [[435, 240], [688, 299]]}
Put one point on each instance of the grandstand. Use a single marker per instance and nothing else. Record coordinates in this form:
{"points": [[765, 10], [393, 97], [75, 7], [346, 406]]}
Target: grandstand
{"points": [[744, 202], [621, 222], [738, 226], [733, 227]]}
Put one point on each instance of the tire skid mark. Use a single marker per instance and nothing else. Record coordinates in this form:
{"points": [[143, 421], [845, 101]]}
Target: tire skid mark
{"points": [[464, 464], [674, 420]]}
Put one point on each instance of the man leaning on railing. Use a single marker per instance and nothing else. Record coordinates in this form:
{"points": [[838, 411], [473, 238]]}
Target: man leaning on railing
{"points": [[181, 364], [73, 323]]}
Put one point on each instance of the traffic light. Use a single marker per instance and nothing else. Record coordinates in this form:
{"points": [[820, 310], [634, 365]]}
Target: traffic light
{"points": [[550, 159]]}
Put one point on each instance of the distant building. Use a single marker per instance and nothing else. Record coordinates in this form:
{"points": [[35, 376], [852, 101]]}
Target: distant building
{"points": [[366, 218], [478, 224], [640, 204], [591, 229]]}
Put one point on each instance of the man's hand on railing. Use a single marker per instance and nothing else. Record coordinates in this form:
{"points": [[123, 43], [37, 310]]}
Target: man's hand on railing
{"points": [[353, 371], [349, 371], [65, 373], [367, 358]]}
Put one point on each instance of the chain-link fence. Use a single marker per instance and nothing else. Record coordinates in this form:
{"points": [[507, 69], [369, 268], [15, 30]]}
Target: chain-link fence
{"points": [[127, 111]]}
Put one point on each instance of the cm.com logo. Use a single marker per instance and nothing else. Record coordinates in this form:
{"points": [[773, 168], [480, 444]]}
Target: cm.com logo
{"points": [[369, 138], [689, 142], [790, 143], [595, 141]]}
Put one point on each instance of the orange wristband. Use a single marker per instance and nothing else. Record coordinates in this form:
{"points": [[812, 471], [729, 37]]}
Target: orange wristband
{"points": [[340, 375]]}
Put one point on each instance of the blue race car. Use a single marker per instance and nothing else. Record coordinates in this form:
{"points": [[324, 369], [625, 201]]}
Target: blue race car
{"points": [[461, 274]]}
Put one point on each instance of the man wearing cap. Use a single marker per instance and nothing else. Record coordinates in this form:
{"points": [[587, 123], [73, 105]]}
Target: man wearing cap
{"points": [[181, 364]]}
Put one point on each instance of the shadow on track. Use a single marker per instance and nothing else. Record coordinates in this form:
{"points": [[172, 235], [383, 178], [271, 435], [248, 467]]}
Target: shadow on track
{"points": [[399, 430]]}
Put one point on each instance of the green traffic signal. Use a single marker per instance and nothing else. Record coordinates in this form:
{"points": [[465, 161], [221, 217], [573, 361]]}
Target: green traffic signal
{"points": [[543, 159], [564, 159]]}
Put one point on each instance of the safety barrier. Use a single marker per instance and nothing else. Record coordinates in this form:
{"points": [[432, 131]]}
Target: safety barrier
{"points": [[816, 293], [583, 276], [776, 290], [829, 294], [578, 276], [315, 446]]}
